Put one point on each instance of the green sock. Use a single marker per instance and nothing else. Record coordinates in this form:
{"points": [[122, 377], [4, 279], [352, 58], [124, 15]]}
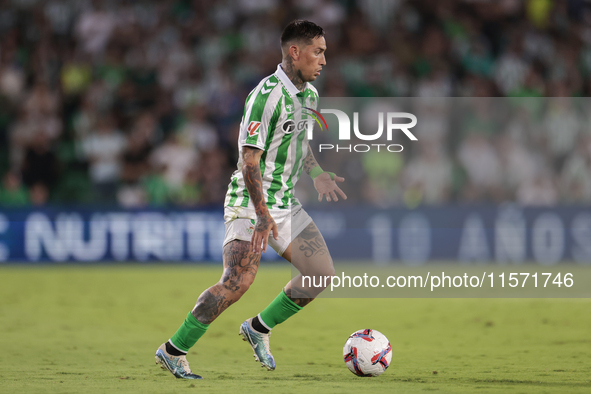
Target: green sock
{"points": [[188, 333], [278, 311]]}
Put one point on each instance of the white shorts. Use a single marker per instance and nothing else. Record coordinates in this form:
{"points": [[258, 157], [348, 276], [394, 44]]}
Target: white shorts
{"points": [[290, 223]]}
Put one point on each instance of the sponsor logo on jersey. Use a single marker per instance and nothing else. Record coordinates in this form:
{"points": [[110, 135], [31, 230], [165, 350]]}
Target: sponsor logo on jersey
{"points": [[288, 126], [253, 128]]}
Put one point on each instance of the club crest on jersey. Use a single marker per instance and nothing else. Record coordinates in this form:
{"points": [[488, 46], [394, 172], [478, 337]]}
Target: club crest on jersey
{"points": [[253, 128]]}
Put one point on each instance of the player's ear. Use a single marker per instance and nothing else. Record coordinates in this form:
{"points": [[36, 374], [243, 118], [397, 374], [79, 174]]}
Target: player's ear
{"points": [[294, 52]]}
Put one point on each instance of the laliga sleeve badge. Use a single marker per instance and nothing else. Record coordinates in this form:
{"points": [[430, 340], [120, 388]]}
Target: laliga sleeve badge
{"points": [[253, 128]]}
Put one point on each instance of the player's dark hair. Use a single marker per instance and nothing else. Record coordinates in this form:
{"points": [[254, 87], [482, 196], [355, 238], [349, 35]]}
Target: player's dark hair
{"points": [[302, 31]]}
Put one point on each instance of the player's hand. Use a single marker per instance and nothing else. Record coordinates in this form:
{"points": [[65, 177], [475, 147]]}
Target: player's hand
{"points": [[328, 188], [264, 225]]}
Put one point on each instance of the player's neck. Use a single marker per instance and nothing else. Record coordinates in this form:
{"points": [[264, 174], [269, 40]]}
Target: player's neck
{"points": [[294, 75]]}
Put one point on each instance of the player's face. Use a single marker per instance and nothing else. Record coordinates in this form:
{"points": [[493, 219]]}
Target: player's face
{"points": [[312, 59]]}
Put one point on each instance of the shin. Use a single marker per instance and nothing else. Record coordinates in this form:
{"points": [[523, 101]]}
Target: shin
{"points": [[240, 268]]}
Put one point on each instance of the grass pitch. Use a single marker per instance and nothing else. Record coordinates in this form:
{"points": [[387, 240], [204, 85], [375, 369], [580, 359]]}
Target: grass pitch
{"points": [[95, 329]]}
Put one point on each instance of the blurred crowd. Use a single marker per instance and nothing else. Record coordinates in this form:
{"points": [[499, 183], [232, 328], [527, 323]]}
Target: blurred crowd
{"points": [[138, 103], [531, 150]]}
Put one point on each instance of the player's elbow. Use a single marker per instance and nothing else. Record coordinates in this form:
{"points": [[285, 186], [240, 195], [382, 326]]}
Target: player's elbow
{"points": [[251, 156]]}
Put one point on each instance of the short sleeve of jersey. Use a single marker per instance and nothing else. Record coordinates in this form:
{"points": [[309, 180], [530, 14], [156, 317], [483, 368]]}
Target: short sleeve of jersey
{"points": [[261, 112]]}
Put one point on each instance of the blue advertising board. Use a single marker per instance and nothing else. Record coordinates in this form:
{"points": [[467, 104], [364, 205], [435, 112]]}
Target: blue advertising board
{"points": [[505, 234]]}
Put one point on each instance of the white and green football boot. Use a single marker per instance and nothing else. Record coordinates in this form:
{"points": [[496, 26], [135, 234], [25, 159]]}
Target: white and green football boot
{"points": [[259, 343], [177, 365]]}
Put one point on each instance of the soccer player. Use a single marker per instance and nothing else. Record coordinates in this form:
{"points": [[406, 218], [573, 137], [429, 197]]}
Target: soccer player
{"points": [[260, 207]]}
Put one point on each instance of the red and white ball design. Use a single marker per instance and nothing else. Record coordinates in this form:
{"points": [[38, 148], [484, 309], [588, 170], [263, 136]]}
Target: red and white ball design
{"points": [[367, 353]]}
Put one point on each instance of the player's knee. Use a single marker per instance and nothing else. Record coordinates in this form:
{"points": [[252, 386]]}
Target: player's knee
{"points": [[329, 271], [323, 272], [319, 281], [244, 284]]}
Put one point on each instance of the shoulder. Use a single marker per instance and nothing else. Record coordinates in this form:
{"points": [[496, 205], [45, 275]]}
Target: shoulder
{"points": [[267, 85], [312, 88], [268, 91], [311, 95]]}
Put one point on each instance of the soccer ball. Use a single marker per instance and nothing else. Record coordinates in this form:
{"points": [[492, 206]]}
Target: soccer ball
{"points": [[367, 353]]}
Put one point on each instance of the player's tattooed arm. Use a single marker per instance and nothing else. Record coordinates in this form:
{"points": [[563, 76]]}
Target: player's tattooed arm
{"points": [[251, 171], [294, 75], [309, 162]]}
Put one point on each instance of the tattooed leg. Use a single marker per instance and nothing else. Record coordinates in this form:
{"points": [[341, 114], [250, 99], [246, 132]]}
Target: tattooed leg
{"points": [[240, 268], [211, 303], [309, 254], [298, 295], [311, 247]]}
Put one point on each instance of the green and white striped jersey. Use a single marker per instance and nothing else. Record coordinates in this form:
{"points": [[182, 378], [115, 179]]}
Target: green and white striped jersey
{"points": [[275, 120]]}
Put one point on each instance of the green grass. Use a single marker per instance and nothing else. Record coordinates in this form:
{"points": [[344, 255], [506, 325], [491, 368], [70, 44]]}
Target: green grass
{"points": [[95, 329]]}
